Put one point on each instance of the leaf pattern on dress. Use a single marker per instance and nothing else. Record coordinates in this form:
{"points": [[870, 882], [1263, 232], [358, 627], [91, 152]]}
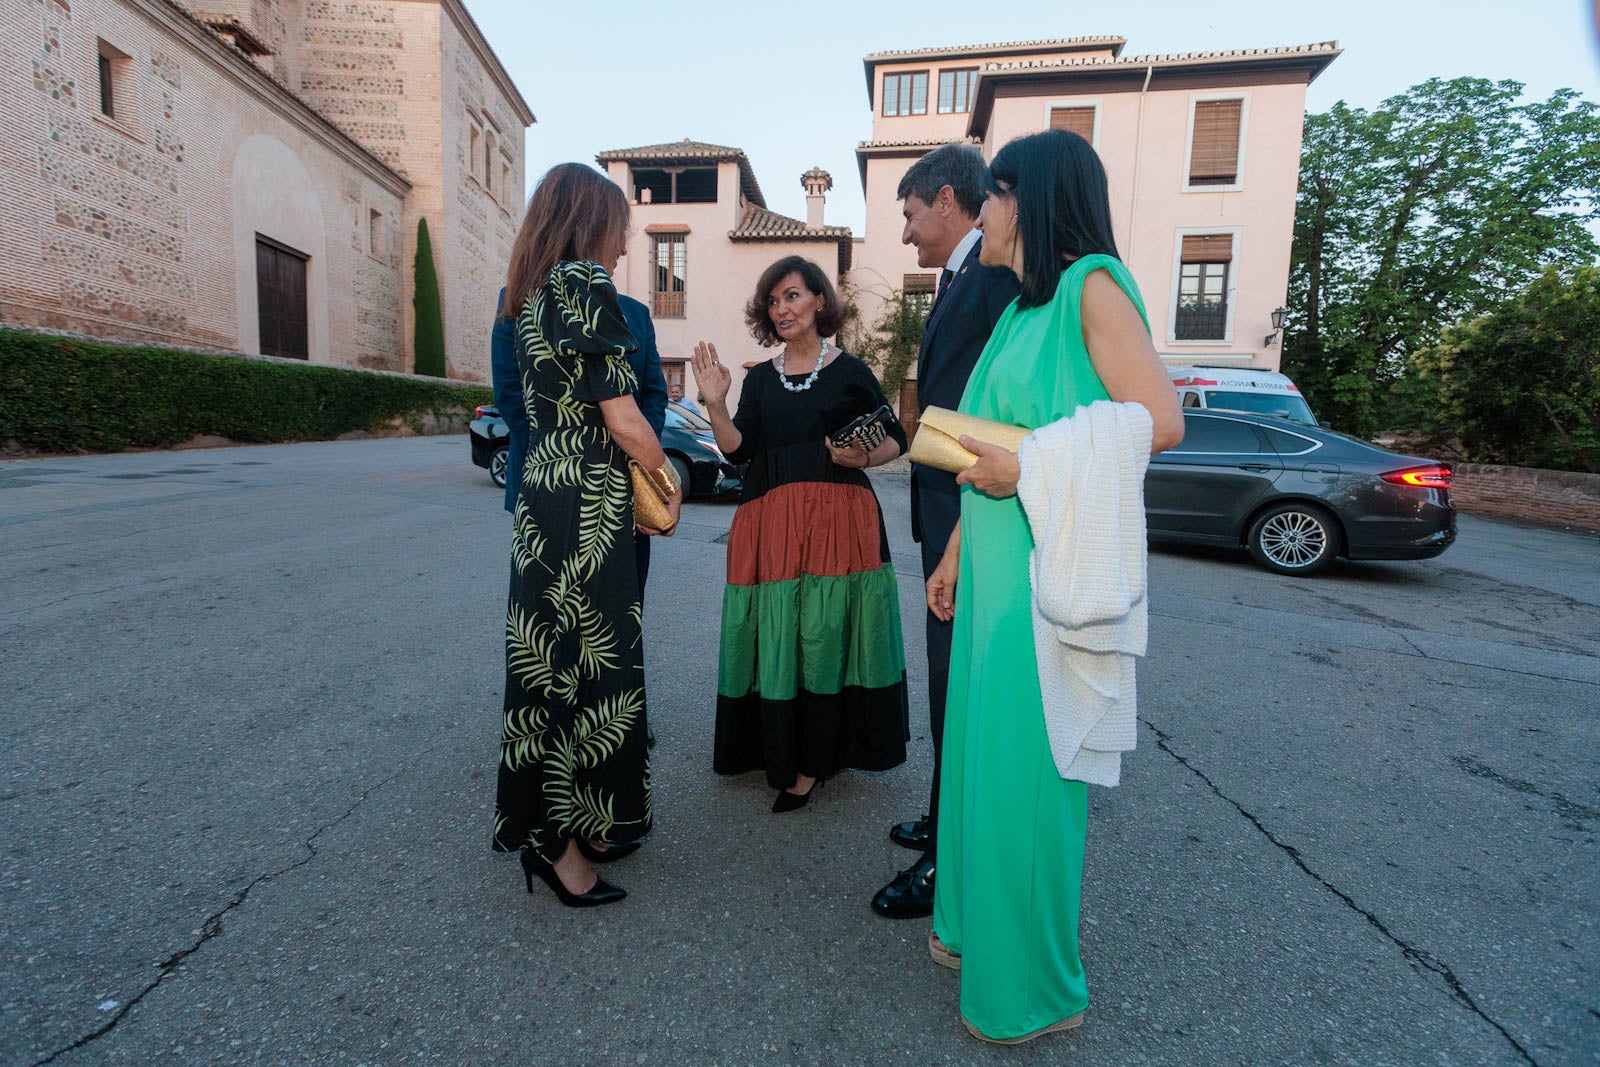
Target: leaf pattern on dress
{"points": [[572, 754]]}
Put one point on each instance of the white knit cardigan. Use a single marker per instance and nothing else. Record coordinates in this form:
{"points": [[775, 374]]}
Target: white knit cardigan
{"points": [[1082, 487]]}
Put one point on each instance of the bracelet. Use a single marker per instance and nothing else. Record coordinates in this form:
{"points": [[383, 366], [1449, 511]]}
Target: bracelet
{"points": [[666, 479]]}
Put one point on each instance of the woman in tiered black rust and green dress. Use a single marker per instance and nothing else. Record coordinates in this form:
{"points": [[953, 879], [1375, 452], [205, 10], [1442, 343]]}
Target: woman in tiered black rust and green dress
{"points": [[574, 785], [812, 675]]}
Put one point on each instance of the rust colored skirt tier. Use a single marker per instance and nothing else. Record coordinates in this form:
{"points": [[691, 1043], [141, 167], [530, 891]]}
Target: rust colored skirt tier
{"points": [[812, 676]]}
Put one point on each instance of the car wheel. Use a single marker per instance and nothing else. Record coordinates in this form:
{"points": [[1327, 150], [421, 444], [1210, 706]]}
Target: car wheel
{"points": [[1298, 539], [681, 468], [498, 460]]}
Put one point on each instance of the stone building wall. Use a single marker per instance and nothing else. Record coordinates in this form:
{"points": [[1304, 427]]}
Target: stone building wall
{"points": [[144, 227], [1559, 498], [482, 214]]}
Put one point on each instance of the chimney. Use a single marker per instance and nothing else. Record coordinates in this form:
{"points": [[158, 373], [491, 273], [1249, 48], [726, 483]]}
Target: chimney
{"points": [[817, 182]]}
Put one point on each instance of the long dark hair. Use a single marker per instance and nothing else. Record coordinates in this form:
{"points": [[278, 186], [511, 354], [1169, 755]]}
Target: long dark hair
{"points": [[575, 212], [1063, 206], [829, 317]]}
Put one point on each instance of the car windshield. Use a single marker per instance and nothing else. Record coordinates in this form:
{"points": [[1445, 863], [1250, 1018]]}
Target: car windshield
{"points": [[695, 422], [1281, 405]]}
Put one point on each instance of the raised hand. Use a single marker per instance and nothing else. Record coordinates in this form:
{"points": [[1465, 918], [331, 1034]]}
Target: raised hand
{"points": [[713, 378]]}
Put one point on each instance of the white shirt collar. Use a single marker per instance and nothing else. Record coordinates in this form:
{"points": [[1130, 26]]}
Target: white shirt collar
{"points": [[963, 247]]}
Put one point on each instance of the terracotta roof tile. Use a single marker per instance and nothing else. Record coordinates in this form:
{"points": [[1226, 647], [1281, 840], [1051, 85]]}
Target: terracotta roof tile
{"points": [[1167, 59], [867, 149], [1043, 44], [934, 142], [690, 151], [759, 224]]}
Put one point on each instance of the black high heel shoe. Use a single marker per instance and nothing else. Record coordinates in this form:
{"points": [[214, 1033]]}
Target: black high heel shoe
{"points": [[607, 854], [603, 892], [787, 801]]}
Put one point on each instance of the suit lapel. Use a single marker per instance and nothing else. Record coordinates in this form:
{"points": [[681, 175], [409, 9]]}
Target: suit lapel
{"points": [[939, 309]]}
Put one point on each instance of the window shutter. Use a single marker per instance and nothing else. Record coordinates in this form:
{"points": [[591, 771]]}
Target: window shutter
{"points": [[1214, 155], [1207, 248], [918, 283], [1078, 120]]}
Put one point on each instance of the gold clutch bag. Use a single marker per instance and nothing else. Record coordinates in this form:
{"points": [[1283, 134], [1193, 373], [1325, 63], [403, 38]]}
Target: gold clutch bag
{"points": [[938, 440], [649, 502]]}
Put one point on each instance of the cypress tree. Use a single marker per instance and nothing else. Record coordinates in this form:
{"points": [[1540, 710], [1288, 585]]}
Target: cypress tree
{"points": [[428, 340]]}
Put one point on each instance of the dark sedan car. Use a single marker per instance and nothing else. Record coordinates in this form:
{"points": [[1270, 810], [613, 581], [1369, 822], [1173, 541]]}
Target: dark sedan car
{"points": [[689, 443], [1296, 496]]}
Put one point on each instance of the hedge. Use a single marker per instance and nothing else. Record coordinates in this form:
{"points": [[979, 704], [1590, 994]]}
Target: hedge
{"points": [[65, 394]]}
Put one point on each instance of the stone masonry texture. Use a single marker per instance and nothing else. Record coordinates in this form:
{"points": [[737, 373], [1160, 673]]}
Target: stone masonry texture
{"points": [[142, 226]]}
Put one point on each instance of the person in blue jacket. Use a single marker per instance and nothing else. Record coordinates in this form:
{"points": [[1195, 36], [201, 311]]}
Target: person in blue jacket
{"points": [[651, 397]]}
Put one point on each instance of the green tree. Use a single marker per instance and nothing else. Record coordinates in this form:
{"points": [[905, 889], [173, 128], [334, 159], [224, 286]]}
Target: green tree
{"points": [[1426, 212], [889, 346], [428, 339], [1522, 384]]}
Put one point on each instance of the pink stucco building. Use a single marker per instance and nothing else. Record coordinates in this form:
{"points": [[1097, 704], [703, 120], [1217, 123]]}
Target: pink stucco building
{"points": [[1202, 154], [702, 235], [248, 175]]}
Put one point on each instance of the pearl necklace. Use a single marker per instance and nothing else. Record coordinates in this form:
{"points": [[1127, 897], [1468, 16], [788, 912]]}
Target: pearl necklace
{"points": [[811, 379]]}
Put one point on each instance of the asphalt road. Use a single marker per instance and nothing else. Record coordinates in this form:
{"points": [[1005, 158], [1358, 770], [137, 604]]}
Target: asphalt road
{"points": [[247, 750]]}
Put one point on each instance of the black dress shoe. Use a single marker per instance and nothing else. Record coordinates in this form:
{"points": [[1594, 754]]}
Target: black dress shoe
{"points": [[912, 835], [602, 892], [910, 895], [787, 801]]}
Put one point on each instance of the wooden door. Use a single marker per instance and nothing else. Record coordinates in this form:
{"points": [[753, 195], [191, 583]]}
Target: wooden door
{"points": [[281, 299]]}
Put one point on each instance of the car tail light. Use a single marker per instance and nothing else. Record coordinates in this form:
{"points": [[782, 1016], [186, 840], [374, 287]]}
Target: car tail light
{"points": [[1426, 477], [477, 412]]}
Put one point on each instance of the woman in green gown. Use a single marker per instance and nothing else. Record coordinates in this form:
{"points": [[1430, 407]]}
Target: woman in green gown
{"points": [[1011, 829]]}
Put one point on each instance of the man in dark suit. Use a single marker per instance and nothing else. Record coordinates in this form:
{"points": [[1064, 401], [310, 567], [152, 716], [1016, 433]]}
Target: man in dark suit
{"points": [[942, 194]]}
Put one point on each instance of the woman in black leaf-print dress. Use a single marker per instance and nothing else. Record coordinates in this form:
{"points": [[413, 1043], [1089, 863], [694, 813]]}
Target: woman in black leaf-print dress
{"points": [[574, 780]]}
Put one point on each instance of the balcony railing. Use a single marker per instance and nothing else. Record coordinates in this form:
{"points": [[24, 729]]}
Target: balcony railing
{"points": [[666, 305], [1209, 322]]}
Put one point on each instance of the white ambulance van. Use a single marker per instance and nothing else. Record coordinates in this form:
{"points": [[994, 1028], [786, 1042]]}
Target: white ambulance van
{"points": [[1261, 392]]}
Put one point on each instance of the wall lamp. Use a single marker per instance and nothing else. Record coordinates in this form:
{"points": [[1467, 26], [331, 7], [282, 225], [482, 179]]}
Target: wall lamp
{"points": [[1280, 317]]}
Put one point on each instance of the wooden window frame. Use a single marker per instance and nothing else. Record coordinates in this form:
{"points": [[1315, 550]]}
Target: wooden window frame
{"points": [[669, 304], [377, 235], [920, 289], [910, 76], [1229, 290], [1207, 186], [1090, 103], [263, 241], [475, 134], [118, 105], [958, 75], [108, 87]]}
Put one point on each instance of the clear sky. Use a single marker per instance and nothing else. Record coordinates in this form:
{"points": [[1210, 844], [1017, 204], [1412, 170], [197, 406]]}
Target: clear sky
{"points": [[785, 82]]}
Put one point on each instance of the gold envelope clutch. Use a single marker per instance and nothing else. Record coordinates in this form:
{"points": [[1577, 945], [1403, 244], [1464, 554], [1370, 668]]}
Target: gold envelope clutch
{"points": [[938, 443], [649, 502]]}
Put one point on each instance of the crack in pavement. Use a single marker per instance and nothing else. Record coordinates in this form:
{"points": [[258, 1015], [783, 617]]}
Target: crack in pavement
{"points": [[1575, 813], [1402, 635], [211, 928], [1418, 958]]}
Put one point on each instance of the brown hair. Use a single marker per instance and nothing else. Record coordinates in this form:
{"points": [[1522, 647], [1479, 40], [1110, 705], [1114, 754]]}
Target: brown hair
{"points": [[575, 213], [829, 317]]}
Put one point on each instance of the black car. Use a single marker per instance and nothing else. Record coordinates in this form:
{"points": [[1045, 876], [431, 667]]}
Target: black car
{"points": [[690, 445], [1296, 496]]}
